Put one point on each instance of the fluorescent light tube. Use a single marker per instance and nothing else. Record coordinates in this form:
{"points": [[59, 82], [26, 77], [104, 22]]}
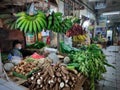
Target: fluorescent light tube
{"points": [[111, 13]]}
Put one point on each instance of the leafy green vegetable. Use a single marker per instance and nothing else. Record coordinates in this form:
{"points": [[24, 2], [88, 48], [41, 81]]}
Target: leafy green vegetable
{"points": [[66, 48], [90, 61], [4, 57], [29, 59], [37, 45]]}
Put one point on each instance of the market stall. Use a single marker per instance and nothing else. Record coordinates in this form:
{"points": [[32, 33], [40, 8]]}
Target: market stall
{"points": [[67, 67]]}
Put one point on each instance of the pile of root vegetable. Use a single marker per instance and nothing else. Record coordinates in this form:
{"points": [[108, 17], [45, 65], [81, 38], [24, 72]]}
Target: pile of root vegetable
{"points": [[56, 77], [25, 68]]}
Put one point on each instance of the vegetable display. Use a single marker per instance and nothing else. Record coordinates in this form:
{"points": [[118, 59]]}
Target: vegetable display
{"points": [[91, 62], [56, 77], [75, 30]]}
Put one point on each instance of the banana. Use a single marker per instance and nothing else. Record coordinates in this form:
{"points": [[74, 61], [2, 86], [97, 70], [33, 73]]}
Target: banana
{"points": [[22, 27], [20, 14], [49, 22], [26, 27], [56, 22], [20, 23], [12, 26], [44, 22], [38, 26], [41, 14], [34, 27], [41, 23], [58, 14], [31, 27], [20, 18]]}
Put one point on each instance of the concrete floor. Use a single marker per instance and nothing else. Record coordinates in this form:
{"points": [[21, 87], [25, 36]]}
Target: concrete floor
{"points": [[111, 79], [8, 85]]}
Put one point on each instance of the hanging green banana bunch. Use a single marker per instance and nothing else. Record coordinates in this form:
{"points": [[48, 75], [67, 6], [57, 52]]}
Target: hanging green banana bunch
{"points": [[9, 20], [31, 23], [57, 24], [66, 25], [54, 21]]}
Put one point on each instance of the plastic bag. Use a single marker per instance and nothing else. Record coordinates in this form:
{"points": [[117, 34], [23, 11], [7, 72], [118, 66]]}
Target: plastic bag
{"points": [[50, 50], [53, 57], [16, 60]]}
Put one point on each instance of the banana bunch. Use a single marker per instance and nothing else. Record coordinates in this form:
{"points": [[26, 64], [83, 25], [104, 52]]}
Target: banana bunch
{"points": [[54, 21], [10, 23], [66, 25], [9, 20], [31, 23], [57, 24], [79, 38]]}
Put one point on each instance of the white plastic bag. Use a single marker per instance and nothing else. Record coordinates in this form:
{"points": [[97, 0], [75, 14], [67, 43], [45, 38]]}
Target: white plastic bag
{"points": [[50, 50], [16, 60], [68, 40], [8, 66], [53, 57]]}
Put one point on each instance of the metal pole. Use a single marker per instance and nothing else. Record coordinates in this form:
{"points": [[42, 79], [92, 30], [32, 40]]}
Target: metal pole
{"points": [[1, 68]]}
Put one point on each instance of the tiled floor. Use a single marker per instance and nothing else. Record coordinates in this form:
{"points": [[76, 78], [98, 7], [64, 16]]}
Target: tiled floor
{"points": [[111, 80]]}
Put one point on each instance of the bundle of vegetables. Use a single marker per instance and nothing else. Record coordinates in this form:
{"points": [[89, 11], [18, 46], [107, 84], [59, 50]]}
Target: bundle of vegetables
{"points": [[66, 48], [56, 77], [75, 30], [29, 59], [37, 45], [91, 62], [25, 68]]}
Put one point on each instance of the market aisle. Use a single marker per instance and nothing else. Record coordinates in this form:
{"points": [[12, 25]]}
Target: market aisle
{"points": [[111, 79], [5, 85]]}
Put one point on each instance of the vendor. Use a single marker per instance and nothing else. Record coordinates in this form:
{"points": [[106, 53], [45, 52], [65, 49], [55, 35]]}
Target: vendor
{"points": [[17, 46]]}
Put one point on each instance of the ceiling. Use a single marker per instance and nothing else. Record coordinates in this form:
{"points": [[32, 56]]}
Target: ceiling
{"points": [[111, 6], [18, 5]]}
